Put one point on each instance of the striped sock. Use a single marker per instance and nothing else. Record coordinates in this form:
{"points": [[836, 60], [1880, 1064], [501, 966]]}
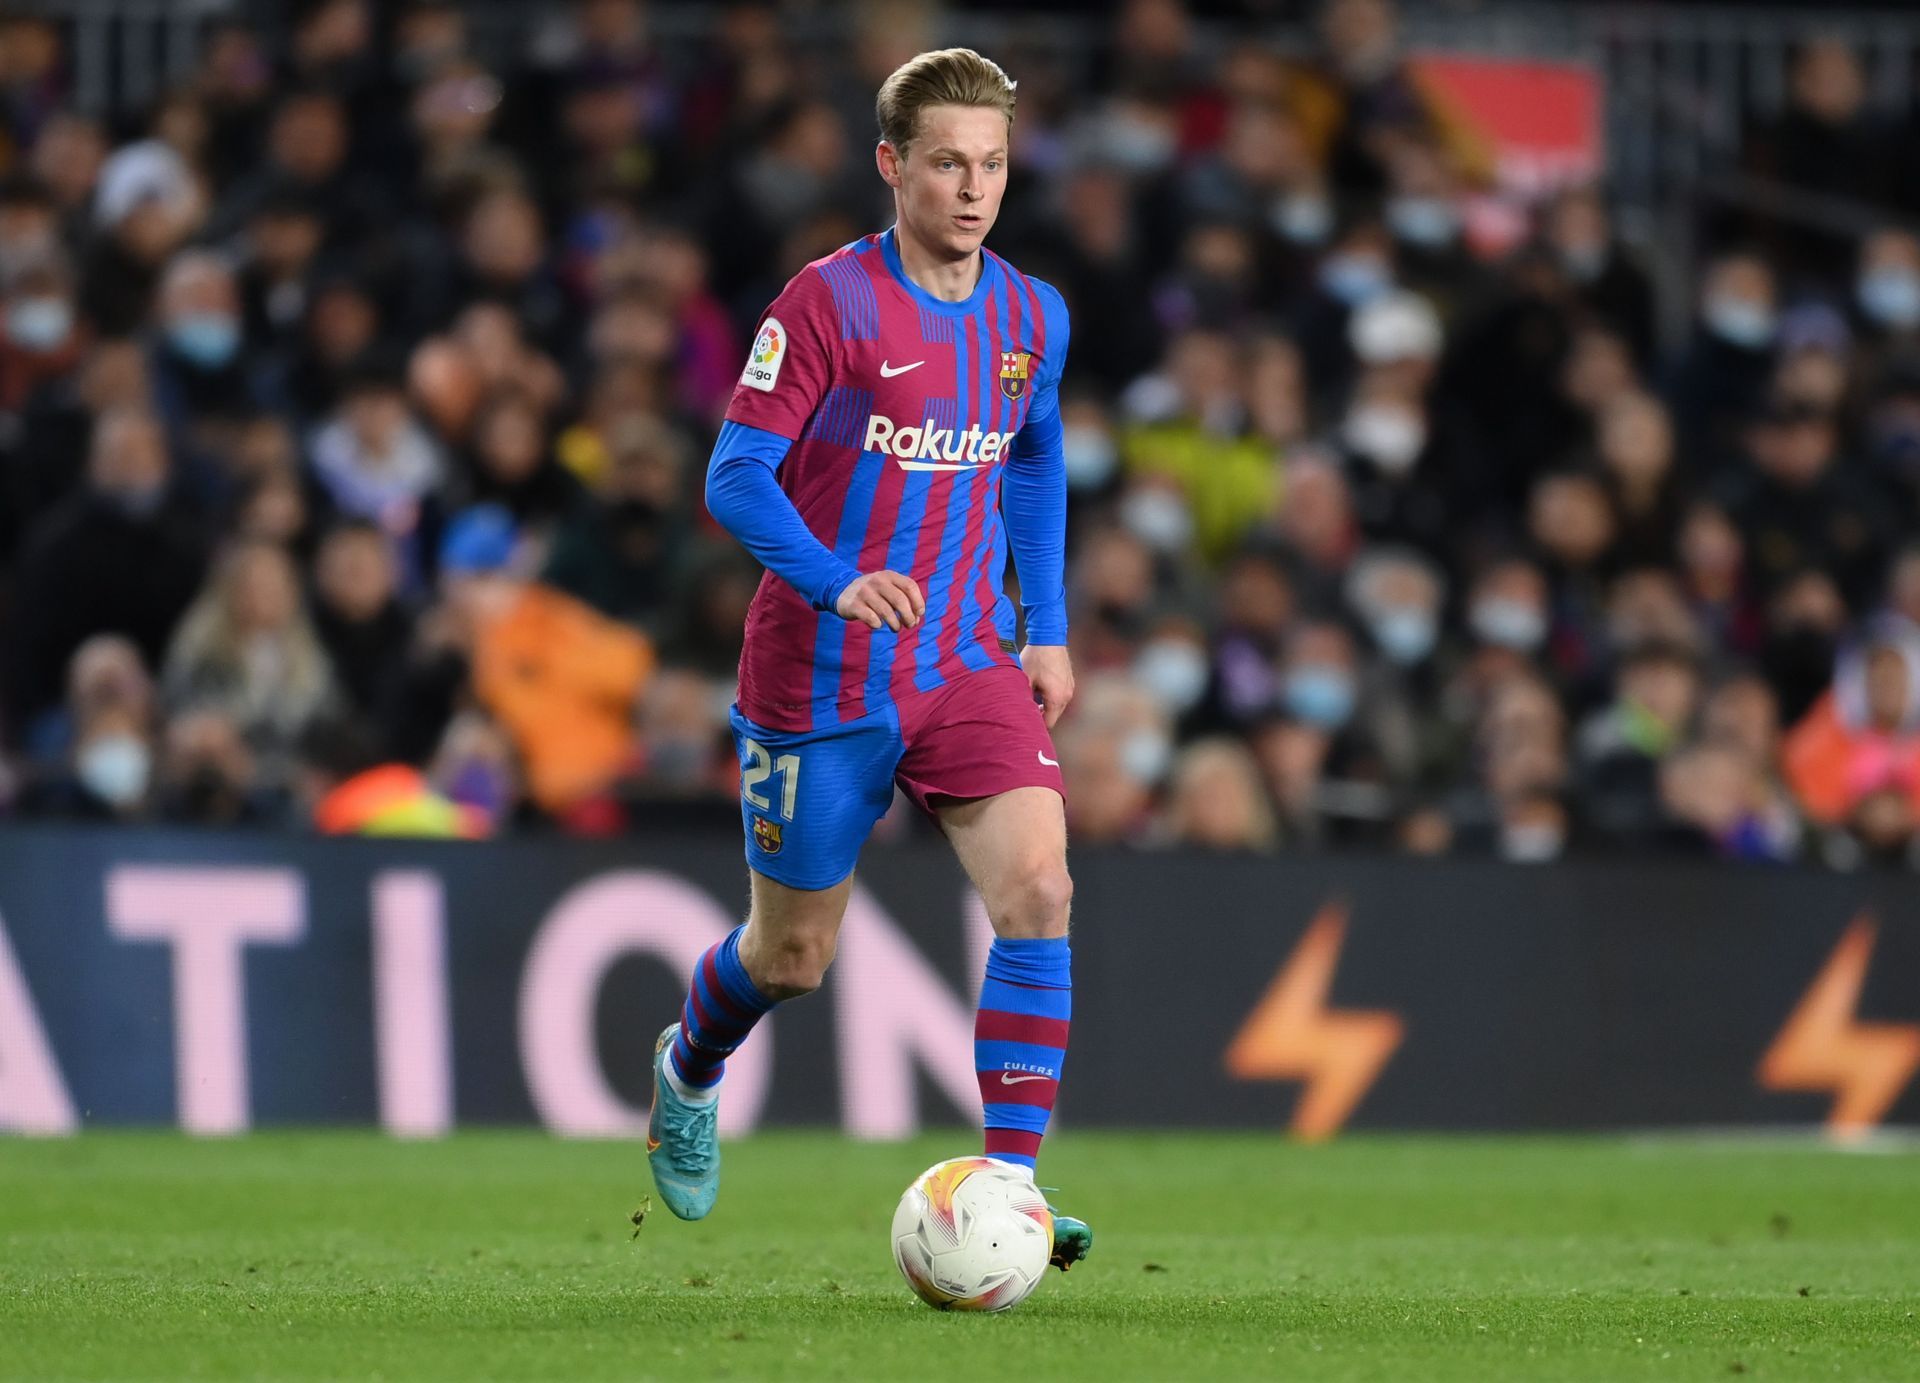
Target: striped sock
{"points": [[722, 1007], [1020, 1041]]}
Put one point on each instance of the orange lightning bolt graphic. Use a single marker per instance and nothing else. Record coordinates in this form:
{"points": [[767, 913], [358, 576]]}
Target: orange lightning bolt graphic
{"points": [[1821, 1047], [1292, 1035]]}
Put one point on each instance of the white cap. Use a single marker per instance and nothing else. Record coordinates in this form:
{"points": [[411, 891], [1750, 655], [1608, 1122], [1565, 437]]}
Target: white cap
{"points": [[1395, 326], [149, 170]]}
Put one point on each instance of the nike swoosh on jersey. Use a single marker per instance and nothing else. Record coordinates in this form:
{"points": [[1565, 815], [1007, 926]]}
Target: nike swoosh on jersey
{"points": [[1050, 763], [889, 371], [1008, 1078]]}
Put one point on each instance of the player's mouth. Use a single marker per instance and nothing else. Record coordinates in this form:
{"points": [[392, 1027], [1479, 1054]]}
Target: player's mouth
{"points": [[970, 221]]}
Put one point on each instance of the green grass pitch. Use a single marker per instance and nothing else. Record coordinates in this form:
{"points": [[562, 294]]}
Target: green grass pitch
{"points": [[509, 1255]]}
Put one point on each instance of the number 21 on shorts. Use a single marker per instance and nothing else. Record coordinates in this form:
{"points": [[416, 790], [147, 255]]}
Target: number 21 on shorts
{"points": [[761, 766]]}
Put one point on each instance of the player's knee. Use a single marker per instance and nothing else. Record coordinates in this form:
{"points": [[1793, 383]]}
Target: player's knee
{"points": [[794, 966], [1039, 899]]}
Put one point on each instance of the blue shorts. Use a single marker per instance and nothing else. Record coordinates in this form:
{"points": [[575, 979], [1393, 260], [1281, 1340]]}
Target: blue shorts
{"points": [[810, 798]]}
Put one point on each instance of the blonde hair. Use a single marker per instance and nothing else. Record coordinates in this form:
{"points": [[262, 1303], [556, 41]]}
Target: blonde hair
{"points": [[944, 77], [208, 664]]}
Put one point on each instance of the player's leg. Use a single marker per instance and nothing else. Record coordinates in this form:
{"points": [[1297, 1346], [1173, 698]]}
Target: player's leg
{"points": [[808, 802], [1013, 846], [978, 755]]}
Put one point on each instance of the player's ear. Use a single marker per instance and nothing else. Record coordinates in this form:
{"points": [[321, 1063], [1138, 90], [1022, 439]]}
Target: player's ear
{"points": [[888, 159]]}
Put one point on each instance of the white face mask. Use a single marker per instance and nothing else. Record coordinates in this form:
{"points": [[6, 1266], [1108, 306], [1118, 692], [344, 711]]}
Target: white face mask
{"points": [[1158, 518], [1740, 322], [1145, 755], [1089, 455], [1508, 623], [1389, 436], [1173, 671], [115, 768], [1302, 218], [1531, 844]]}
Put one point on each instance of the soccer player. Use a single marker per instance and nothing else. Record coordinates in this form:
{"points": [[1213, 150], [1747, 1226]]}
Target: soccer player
{"points": [[895, 432]]}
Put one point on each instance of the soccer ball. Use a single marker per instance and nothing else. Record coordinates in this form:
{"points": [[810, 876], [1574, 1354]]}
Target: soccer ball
{"points": [[972, 1234]]}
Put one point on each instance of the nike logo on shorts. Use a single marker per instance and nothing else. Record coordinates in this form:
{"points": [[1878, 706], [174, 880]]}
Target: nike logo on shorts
{"points": [[889, 371], [1050, 763]]}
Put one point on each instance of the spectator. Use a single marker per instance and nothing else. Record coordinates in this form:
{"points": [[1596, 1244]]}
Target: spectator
{"points": [[247, 648], [208, 776], [624, 551], [1799, 507], [1606, 277], [562, 679], [1656, 695], [108, 776], [1722, 378], [43, 338], [199, 368], [376, 462], [358, 614], [1216, 801], [514, 465], [117, 557], [1863, 736], [1119, 738]]}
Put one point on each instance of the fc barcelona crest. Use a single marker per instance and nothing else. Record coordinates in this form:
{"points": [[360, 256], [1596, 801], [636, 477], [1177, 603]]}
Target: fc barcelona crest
{"points": [[1014, 367], [766, 835]]}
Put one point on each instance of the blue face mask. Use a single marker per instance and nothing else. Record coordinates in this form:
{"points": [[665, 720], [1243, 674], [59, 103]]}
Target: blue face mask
{"points": [[1303, 219], [1740, 322], [1428, 222], [1354, 279], [207, 339], [1321, 696], [1406, 636], [1508, 623], [1891, 296], [39, 324]]}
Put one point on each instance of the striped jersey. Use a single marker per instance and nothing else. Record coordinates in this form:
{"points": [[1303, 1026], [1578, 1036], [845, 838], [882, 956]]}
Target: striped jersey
{"points": [[906, 415]]}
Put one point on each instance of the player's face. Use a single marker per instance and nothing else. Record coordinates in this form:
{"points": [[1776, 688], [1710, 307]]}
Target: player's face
{"points": [[950, 183]]}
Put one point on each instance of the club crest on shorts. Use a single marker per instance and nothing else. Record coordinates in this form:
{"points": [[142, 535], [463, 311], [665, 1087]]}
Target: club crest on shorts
{"points": [[766, 835], [1014, 368]]}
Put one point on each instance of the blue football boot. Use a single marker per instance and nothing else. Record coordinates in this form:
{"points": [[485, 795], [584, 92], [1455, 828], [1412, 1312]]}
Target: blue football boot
{"points": [[683, 1141]]}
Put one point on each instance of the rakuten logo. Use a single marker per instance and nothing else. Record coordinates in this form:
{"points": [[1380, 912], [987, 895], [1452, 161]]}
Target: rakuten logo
{"points": [[930, 448]]}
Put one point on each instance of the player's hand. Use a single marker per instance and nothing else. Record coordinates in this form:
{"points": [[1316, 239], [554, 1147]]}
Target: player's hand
{"points": [[882, 597], [1051, 672]]}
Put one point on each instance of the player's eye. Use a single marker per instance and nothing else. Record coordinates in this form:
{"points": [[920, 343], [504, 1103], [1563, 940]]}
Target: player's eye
{"points": [[946, 163], [993, 165]]}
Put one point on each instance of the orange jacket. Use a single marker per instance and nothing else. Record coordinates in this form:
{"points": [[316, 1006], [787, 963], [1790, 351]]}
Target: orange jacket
{"points": [[1831, 766], [563, 680]]}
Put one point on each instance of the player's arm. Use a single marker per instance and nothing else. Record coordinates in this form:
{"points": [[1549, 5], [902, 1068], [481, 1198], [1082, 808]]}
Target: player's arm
{"points": [[1034, 499], [744, 496], [785, 380]]}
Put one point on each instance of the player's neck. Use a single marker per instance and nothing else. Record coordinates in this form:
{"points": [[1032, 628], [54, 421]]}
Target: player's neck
{"points": [[950, 280]]}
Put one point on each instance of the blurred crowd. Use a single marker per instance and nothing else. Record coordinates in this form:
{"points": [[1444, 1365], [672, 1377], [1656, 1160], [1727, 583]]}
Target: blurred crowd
{"points": [[355, 400]]}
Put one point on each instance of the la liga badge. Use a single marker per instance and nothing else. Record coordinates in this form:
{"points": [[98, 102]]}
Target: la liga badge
{"points": [[763, 363]]}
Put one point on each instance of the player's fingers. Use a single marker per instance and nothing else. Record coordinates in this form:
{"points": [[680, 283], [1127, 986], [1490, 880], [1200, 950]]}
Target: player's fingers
{"points": [[883, 605], [863, 610], [904, 596]]}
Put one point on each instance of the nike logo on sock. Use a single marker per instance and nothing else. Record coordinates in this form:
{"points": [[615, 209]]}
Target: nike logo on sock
{"points": [[1050, 763], [889, 371], [1008, 1078]]}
